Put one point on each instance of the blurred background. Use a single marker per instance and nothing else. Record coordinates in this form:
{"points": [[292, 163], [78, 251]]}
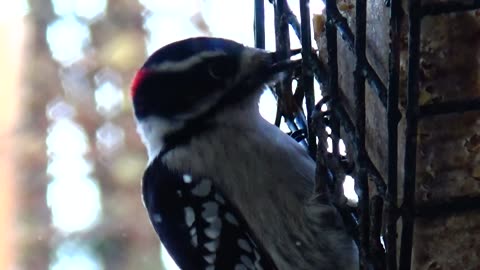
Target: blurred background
{"points": [[71, 161]]}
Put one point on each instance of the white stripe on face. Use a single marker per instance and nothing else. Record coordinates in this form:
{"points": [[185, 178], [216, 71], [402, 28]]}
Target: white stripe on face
{"points": [[175, 66]]}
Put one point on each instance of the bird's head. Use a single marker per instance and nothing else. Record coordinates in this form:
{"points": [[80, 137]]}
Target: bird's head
{"points": [[187, 78], [199, 78]]}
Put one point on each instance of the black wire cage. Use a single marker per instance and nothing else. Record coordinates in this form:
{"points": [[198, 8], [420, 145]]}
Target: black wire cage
{"points": [[378, 214]]}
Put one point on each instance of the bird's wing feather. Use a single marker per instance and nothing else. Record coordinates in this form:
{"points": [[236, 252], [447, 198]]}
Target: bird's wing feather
{"points": [[198, 226]]}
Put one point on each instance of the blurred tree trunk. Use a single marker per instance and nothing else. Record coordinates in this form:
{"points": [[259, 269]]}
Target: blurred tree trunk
{"points": [[11, 45]]}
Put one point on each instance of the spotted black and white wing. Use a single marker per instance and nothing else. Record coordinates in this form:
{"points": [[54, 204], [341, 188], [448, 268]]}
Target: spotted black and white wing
{"points": [[199, 227]]}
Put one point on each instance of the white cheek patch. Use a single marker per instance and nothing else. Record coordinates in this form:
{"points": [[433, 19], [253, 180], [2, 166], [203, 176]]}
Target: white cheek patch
{"points": [[152, 131]]}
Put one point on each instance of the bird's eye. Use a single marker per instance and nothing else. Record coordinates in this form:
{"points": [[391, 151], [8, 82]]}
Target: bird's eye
{"points": [[215, 70], [221, 68]]}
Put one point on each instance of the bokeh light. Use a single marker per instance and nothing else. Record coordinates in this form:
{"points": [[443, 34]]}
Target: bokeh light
{"points": [[14, 9], [72, 195], [71, 255], [110, 138], [93, 159], [109, 99], [75, 203], [87, 9], [67, 38]]}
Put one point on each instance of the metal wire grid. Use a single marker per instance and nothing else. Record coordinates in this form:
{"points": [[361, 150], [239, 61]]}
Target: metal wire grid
{"points": [[372, 254]]}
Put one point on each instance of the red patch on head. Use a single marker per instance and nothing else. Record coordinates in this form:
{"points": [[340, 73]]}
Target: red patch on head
{"points": [[137, 80]]}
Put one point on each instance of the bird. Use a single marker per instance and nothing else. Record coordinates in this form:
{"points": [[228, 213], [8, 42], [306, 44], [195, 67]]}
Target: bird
{"points": [[224, 188]]}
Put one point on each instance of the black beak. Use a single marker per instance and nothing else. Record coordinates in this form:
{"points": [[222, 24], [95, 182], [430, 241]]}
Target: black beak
{"points": [[285, 65], [276, 57], [280, 64]]}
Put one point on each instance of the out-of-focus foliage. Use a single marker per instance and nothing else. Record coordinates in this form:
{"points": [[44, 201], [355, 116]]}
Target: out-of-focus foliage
{"points": [[81, 160]]}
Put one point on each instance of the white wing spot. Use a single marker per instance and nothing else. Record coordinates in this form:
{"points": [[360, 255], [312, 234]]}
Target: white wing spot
{"points": [[257, 255], [298, 243], [251, 241], [187, 178], [213, 231], [211, 246], [195, 240], [246, 261], [257, 260], [203, 188], [219, 198], [189, 216], [231, 218], [157, 218], [193, 231], [243, 244], [210, 210], [210, 267], [210, 219], [210, 258], [258, 266], [193, 234], [179, 193], [240, 267]]}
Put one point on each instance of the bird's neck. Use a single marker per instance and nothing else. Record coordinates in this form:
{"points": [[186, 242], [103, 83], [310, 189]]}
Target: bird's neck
{"points": [[160, 135]]}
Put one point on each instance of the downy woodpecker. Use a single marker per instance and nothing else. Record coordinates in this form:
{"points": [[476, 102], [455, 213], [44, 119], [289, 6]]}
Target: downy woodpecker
{"points": [[224, 188]]}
